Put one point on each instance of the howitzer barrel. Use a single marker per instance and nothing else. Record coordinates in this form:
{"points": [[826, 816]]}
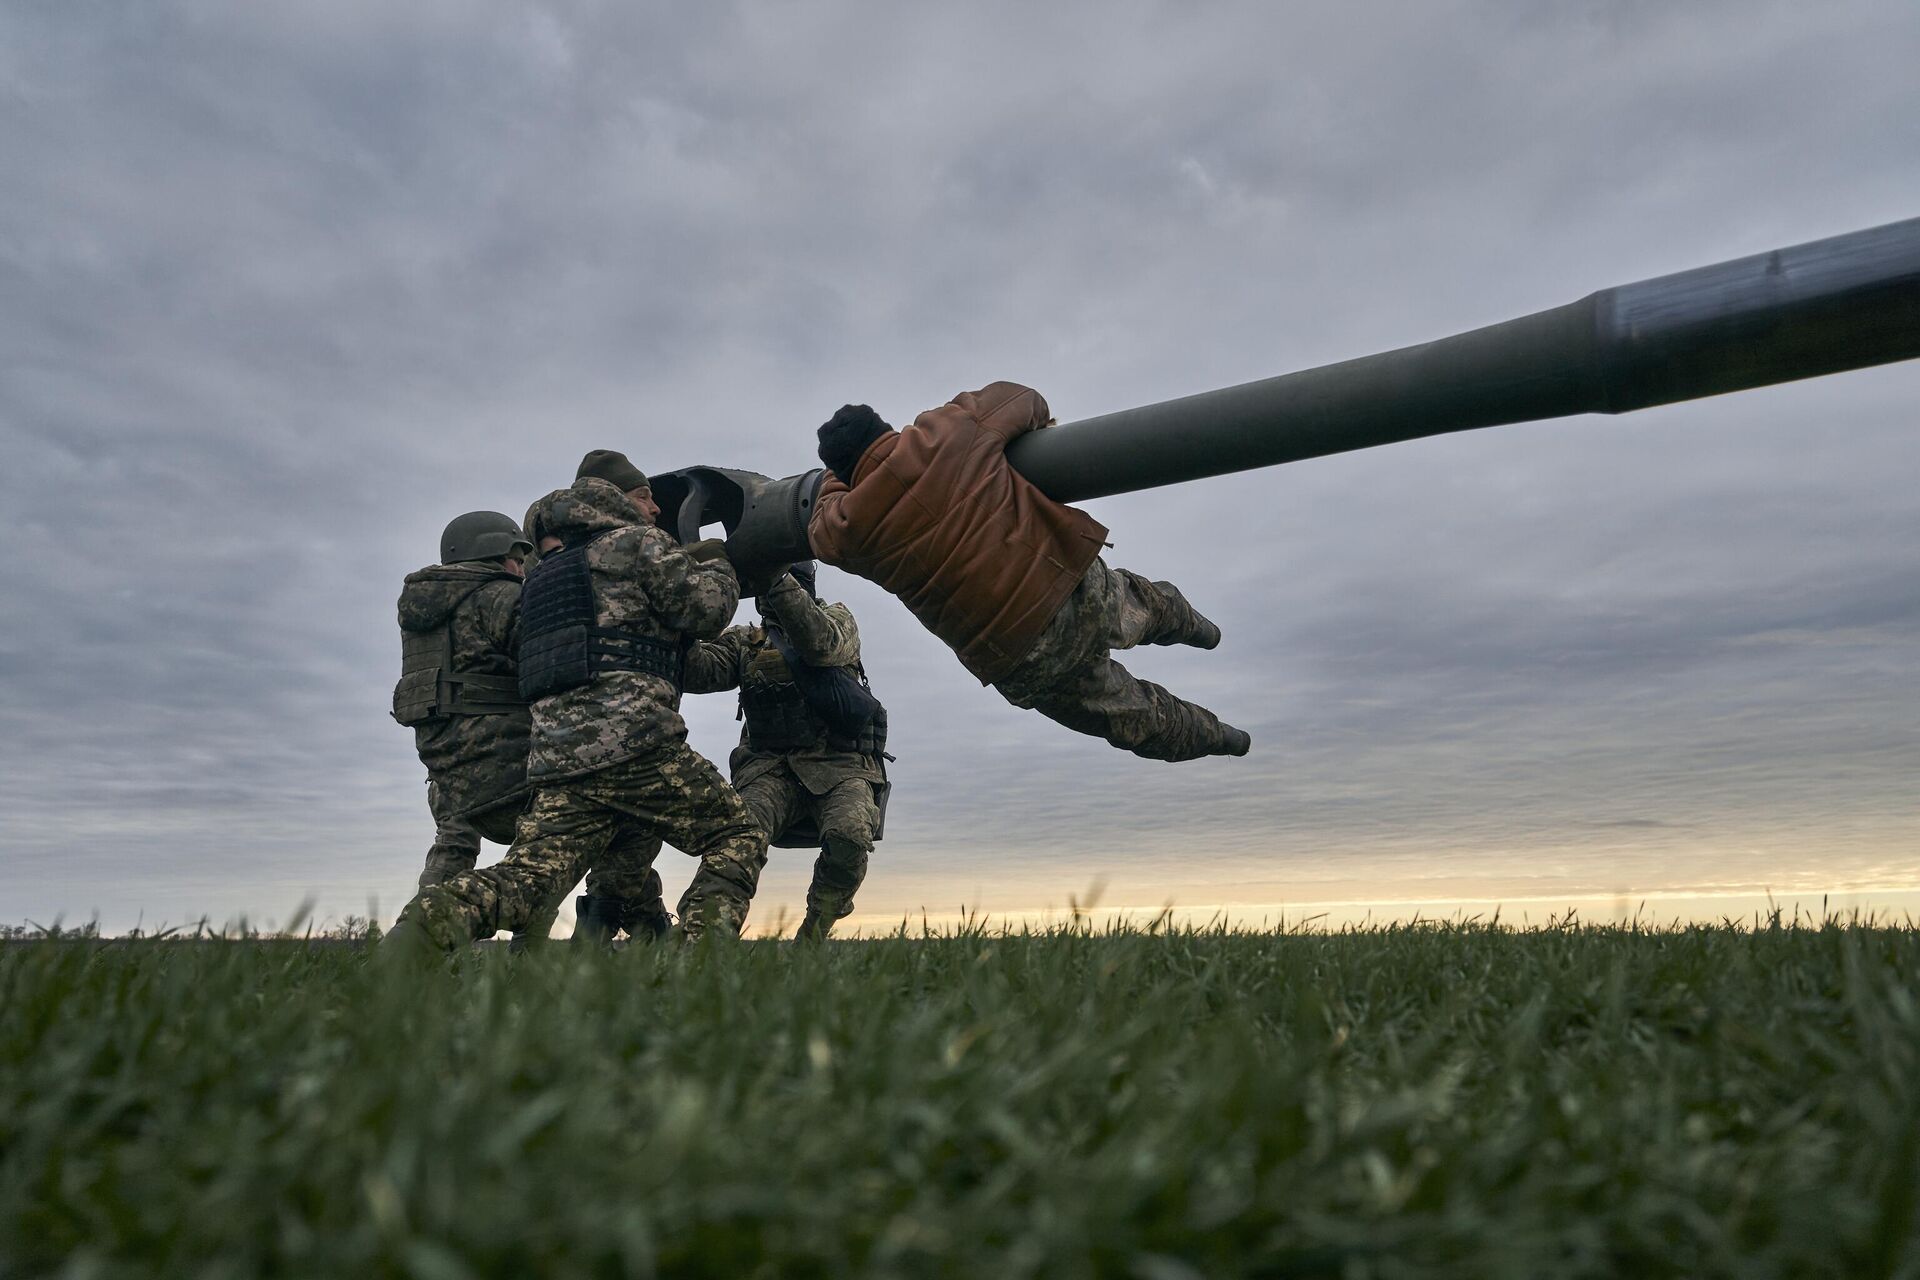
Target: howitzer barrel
{"points": [[1847, 302]]}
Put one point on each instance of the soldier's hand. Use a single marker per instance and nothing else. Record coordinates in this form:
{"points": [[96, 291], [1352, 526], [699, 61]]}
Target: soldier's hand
{"points": [[757, 580], [707, 550]]}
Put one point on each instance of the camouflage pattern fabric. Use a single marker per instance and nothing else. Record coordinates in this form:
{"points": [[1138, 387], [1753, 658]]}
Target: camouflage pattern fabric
{"points": [[822, 634], [1070, 677], [673, 794], [835, 788], [456, 839], [611, 759], [624, 874], [642, 581], [474, 762], [847, 817]]}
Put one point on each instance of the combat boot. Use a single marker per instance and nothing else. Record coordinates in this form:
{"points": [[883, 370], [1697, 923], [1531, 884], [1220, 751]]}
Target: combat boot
{"points": [[1205, 632], [596, 918], [815, 925], [406, 948], [648, 921]]}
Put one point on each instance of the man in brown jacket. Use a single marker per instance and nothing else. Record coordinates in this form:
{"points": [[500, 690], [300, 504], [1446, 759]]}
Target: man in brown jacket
{"points": [[1008, 577]]}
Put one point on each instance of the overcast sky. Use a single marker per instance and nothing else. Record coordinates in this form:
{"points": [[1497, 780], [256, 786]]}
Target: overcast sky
{"points": [[285, 288]]}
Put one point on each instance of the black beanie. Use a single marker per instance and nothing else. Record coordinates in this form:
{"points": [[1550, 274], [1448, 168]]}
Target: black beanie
{"points": [[612, 466], [846, 435]]}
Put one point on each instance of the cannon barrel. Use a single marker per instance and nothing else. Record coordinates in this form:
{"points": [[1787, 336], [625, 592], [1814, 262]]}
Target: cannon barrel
{"points": [[1847, 302]]}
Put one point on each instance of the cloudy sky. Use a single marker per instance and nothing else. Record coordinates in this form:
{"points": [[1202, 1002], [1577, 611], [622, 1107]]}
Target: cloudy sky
{"points": [[283, 288]]}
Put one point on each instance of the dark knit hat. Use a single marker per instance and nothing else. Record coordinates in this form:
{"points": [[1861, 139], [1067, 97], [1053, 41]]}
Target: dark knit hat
{"points": [[612, 466], [846, 435]]}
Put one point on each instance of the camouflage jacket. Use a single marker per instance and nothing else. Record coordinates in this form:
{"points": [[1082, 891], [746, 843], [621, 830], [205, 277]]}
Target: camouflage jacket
{"points": [[642, 580], [823, 635], [477, 761]]}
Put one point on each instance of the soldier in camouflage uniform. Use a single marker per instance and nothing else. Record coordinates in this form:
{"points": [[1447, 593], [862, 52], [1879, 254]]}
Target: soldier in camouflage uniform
{"points": [[459, 692], [623, 889], [604, 620], [806, 779]]}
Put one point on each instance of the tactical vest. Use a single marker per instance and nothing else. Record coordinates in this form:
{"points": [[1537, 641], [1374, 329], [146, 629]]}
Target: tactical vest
{"points": [[429, 686], [780, 720], [561, 644]]}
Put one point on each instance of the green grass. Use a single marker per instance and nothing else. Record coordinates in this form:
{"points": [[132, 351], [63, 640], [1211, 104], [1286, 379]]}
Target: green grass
{"points": [[1437, 1100]]}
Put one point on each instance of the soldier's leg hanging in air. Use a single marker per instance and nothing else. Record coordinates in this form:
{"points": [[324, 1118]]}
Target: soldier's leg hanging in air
{"points": [[1108, 701], [1157, 613]]}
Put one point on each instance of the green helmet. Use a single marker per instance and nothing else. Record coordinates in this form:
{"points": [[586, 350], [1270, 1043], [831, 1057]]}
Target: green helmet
{"points": [[482, 535]]}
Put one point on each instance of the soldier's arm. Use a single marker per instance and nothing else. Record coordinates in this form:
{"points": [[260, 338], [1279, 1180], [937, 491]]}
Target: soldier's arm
{"points": [[696, 596], [989, 406], [823, 635], [713, 666]]}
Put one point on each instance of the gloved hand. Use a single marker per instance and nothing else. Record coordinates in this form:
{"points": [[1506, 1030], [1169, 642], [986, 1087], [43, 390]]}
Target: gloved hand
{"points": [[757, 580], [707, 550]]}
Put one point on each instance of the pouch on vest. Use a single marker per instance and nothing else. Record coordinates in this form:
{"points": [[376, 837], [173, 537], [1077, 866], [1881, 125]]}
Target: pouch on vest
{"points": [[805, 832], [429, 686], [836, 694]]}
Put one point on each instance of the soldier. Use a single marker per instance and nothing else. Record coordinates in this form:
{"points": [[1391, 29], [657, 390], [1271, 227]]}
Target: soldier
{"points": [[811, 760], [1009, 578], [458, 689], [604, 616], [623, 889]]}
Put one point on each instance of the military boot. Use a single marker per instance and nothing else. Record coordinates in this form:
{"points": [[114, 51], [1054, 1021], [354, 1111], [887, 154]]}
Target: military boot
{"points": [[596, 918], [815, 925], [647, 921], [407, 948], [837, 875]]}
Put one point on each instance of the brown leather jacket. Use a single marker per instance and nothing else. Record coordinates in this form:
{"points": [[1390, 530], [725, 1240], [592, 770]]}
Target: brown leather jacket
{"points": [[937, 517]]}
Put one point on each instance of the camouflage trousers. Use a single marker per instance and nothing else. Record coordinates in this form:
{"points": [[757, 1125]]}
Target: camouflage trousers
{"points": [[674, 795], [456, 840], [847, 817], [1070, 676], [624, 873]]}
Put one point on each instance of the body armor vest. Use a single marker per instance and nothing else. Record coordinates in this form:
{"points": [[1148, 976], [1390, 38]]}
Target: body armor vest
{"points": [[779, 718], [429, 686], [561, 645]]}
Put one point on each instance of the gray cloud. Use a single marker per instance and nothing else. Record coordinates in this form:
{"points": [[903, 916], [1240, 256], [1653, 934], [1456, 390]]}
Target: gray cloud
{"points": [[286, 290]]}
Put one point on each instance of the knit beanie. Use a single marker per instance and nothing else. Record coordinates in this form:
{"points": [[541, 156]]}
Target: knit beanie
{"points": [[613, 467], [846, 435]]}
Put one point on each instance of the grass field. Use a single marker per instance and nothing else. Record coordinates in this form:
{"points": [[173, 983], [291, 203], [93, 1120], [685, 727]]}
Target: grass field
{"points": [[1437, 1100]]}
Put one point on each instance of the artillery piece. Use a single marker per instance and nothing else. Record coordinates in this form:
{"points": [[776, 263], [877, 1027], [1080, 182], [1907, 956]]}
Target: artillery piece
{"points": [[1847, 302]]}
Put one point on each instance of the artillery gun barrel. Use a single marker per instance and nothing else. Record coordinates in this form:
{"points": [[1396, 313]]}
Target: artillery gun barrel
{"points": [[1843, 303], [1847, 302]]}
